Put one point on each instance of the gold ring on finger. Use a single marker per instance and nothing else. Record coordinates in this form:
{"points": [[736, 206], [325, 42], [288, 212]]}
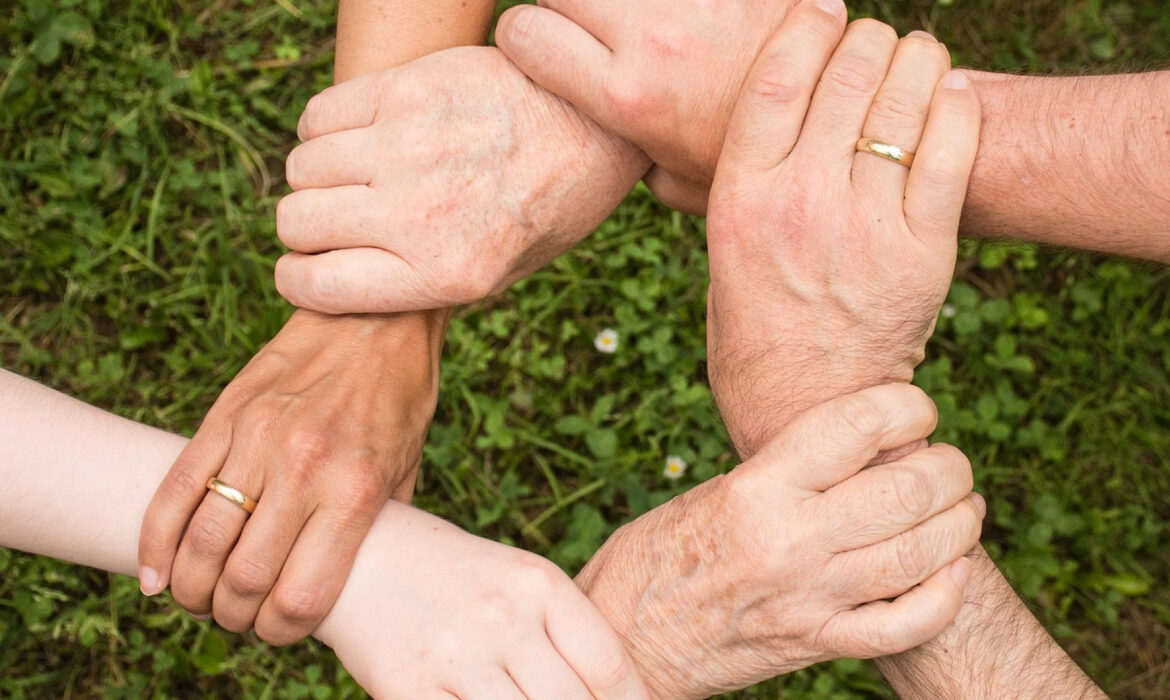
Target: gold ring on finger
{"points": [[886, 150], [232, 494]]}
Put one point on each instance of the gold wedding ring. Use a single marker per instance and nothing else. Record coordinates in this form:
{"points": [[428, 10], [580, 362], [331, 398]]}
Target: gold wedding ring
{"points": [[232, 494], [887, 151]]}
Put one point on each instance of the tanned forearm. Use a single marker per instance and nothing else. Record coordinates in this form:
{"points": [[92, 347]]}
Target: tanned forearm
{"points": [[994, 649], [374, 35], [1079, 162]]}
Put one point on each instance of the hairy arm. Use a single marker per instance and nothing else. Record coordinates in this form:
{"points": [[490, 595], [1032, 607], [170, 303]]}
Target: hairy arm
{"points": [[1074, 161], [995, 648]]}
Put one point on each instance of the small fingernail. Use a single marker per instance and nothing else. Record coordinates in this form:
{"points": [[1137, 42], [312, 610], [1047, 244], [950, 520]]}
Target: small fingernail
{"points": [[961, 572], [919, 34], [201, 618], [149, 581], [833, 7], [980, 504], [955, 80]]}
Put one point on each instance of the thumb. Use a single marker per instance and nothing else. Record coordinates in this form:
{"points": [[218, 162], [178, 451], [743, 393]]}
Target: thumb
{"points": [[356, 281], [831, 442], [561, 57]]}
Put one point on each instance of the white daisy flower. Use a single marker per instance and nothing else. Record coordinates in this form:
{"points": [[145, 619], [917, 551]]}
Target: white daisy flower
{"points": [[949, 311], [606, 341], [675, 467]]}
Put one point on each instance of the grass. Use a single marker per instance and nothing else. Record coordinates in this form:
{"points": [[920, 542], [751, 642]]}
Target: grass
{"points": [[141, 145]]}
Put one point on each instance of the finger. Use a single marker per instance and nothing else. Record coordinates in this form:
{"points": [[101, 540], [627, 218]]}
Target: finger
{"points": [[359, 280], [846, 91], [255, 562], [937, 183], [317, 220], [314, 573], [833, 441], [486, 685], [349, 105], [597, 16], [210, 537], [560, 56], [896, 565], [887, 500], [586, 641], [333, 160], [678, 193], [175, 501], [916, 617], [542, 673], [767, 119], [898, 114]]}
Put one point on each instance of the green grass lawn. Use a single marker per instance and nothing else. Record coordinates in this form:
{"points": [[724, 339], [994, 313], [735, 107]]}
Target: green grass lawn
{"points": [[141, 149]]}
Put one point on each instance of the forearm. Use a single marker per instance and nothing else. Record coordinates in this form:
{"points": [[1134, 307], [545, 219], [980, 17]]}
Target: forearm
{"points": [[374, 35], [77, 481], [1074, 161], [994, 649]]}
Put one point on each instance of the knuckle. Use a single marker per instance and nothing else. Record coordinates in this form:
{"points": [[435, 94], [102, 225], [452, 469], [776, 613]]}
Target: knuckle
{"points": [[862, 415], [911, 558], [180, 481], [307, 443], [852, 76], [773, 83], [608, 670], [249, 579], [209, 538], [912, 494], [301, 604], [897, 106], [628, 99], [666, 40]]}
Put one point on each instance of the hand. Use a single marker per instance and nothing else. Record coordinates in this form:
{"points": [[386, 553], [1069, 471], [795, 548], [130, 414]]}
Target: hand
{"points": [[790, 559], [662, 74], [829, 266], [439, 183], [323, 425], [433, 612]]}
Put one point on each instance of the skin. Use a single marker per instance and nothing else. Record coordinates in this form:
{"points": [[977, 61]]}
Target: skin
{"points": [[778, 135], [486, 225], [476, 619], [516, 624], [323, 425], [1053, 166]]}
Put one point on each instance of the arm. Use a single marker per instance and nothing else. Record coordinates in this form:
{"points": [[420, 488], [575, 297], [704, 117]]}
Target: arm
{"points": [[77, 481], [1076, 162], [323, 425], [994, 649], [765, 342]]}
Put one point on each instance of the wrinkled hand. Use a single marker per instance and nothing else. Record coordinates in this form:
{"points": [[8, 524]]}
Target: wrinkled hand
{"points": [[829, 266], [662, 74], [438, 183], [433, 612], [790, 559], [323, 425]]}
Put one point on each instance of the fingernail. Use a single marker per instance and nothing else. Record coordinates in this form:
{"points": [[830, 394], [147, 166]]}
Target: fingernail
{"points": [[980, 504], [833, 7], [955, 80], [961, 572], [149, 581], [919, 34], [204, 617]]}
